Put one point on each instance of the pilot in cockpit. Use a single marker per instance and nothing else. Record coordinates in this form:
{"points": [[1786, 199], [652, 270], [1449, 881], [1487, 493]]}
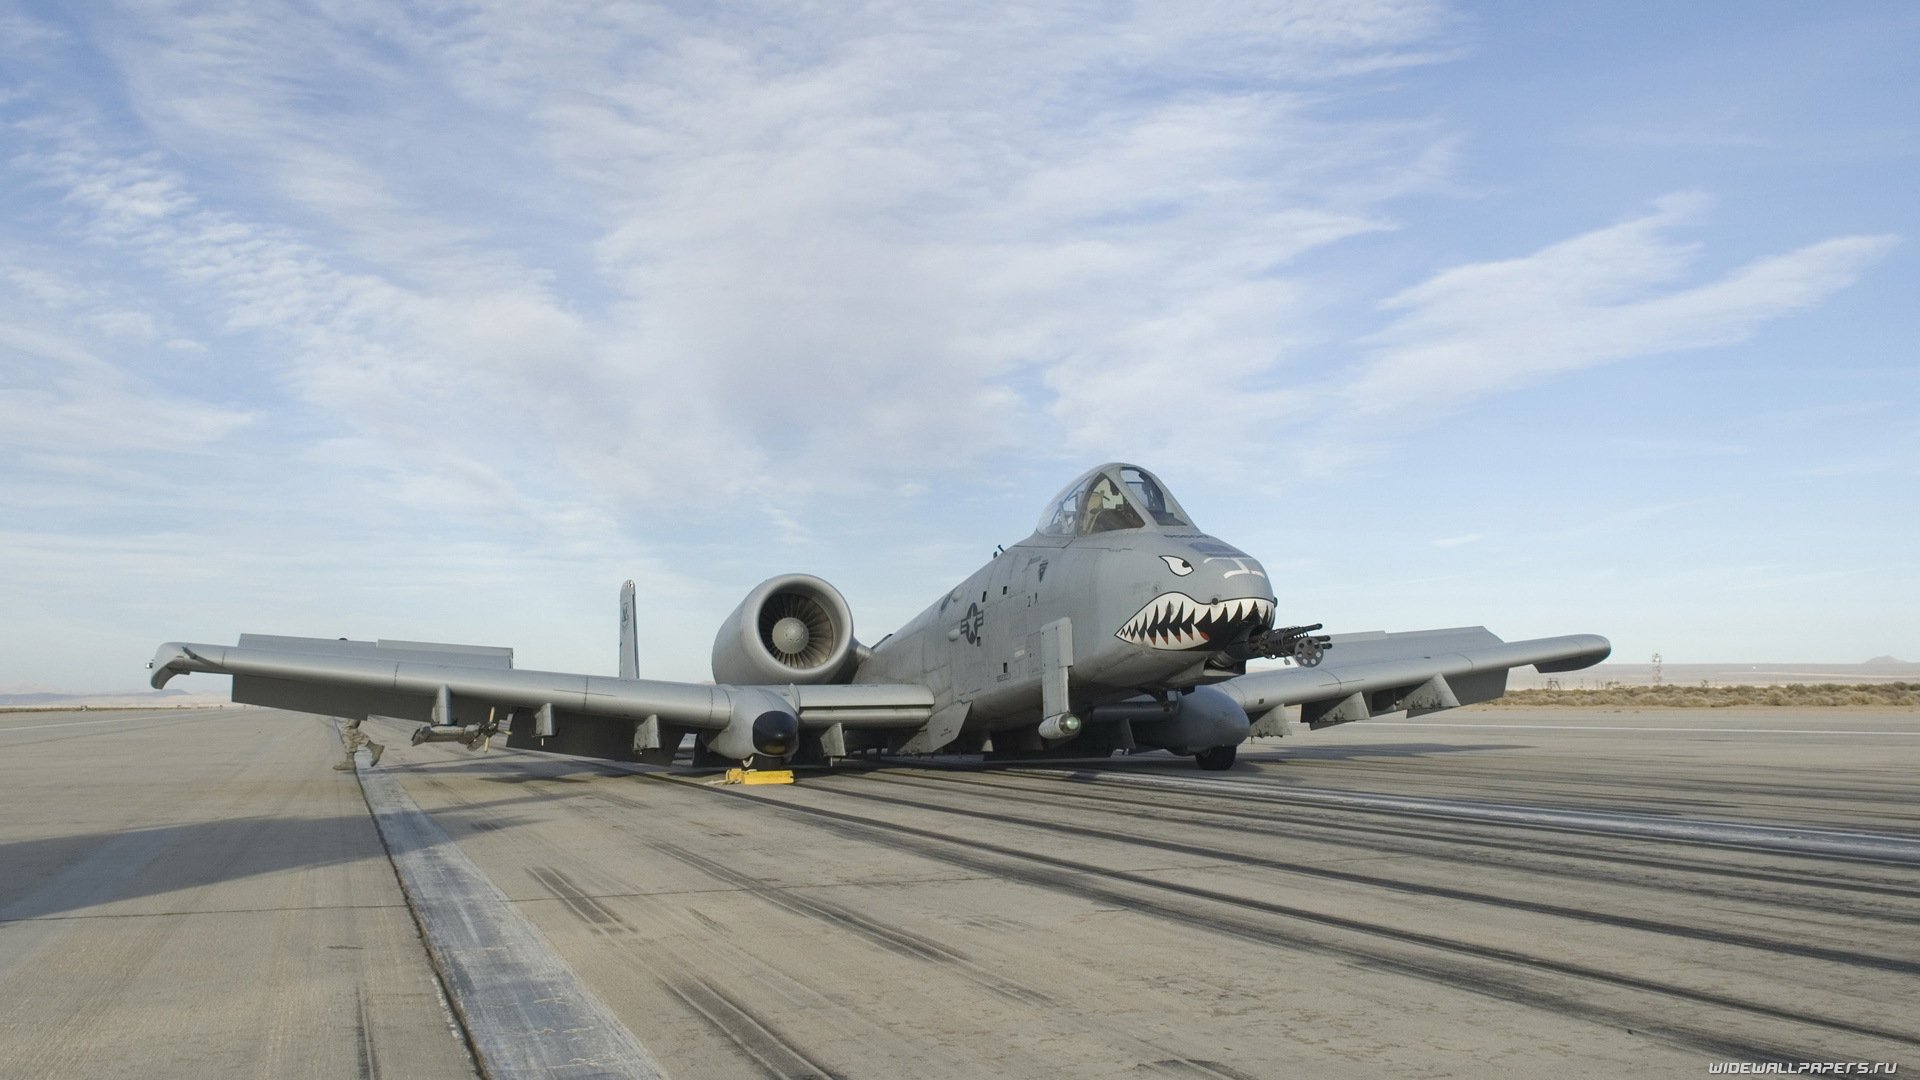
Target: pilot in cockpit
{"points": [[1109, 499], [1107, 509]]}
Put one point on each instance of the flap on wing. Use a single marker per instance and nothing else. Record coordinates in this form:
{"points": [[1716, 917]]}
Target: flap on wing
{"points": [[351, 701]]}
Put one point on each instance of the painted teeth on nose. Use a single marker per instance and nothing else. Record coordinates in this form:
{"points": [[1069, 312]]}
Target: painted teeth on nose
{"points": [[1178, 621]]}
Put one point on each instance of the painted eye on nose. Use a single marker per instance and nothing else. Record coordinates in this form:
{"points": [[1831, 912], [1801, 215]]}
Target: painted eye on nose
{"points": [[1179, 566]]}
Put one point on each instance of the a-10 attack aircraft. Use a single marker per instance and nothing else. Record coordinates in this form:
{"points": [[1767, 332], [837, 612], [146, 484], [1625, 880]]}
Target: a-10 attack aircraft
{"points": [[1118, 625]]}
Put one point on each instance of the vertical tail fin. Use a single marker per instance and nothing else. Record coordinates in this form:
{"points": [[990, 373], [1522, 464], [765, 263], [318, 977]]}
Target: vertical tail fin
{"points": [[629, 635]]}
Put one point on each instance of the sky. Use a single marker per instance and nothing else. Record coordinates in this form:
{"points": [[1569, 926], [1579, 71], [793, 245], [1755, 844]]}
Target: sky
{"points": [[438, 321]]}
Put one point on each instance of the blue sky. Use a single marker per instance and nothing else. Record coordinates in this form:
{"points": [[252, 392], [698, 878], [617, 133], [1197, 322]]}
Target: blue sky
{"points": [[377, 320]]}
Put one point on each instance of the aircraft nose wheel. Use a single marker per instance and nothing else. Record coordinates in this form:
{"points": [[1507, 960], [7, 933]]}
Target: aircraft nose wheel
{"points": [[1216, 759]]}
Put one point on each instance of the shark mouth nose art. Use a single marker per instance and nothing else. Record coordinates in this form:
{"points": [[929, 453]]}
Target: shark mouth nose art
{"points": [[1177, 621]]}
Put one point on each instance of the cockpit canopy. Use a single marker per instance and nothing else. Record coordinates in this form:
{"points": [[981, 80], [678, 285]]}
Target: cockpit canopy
{"points": [[1112, 497]]}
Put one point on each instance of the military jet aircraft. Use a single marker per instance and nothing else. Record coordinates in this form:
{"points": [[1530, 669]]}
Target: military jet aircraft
{"points": [[1117, 626]]}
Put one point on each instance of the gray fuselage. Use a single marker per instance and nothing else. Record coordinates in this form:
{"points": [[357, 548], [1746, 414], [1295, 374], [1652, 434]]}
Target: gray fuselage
{"points": [[979, 644]]}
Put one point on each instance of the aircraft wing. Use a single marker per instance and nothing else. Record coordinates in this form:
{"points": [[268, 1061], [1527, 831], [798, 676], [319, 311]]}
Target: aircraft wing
{"points": [[466, 685], [1369, 674]]}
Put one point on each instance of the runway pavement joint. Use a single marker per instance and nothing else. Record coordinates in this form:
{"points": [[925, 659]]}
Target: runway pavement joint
{"points": [[524, 1011]]}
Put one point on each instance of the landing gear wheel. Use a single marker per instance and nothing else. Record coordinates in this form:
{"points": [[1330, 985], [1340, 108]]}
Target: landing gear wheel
{"points": [[1216, 759]]}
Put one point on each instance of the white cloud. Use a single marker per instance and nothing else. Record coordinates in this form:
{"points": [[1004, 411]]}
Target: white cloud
{"points": [[60, 398], [818, 244], [1607, 295]]}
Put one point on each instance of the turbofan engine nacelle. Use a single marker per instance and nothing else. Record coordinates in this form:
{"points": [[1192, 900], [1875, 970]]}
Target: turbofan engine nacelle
{"points": [[794, 628], [760, 722], [1200, 719]]}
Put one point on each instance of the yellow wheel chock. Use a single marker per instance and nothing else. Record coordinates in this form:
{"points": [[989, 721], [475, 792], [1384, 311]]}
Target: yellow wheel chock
{"points": [[756, 776]]}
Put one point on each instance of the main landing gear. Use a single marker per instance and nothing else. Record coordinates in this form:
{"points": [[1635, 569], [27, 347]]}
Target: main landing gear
{"points": [[1216, 759]]}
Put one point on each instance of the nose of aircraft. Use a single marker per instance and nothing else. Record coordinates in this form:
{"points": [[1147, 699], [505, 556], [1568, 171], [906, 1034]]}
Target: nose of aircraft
{"points": [[1202, 600], [1231, 576]]}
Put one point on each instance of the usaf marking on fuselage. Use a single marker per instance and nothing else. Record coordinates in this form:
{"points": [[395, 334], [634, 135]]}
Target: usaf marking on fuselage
{"points": [[1117, 626]]}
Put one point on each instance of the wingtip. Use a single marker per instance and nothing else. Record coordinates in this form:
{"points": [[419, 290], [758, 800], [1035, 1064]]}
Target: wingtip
{"points": [[178, 658], [168, 661], [1582, 651]]}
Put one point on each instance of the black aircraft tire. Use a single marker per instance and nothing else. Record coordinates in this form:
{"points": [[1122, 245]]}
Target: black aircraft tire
{"points": [[1216, 759]]}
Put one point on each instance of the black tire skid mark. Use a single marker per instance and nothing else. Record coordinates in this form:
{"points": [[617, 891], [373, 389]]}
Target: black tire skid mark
{"points": [[997, 985], [759, 1040], [367, 1059], [892, 939], [755, 1038], [1339, 824], [1074, 878], [1300, 800], [1625, 922], [578, 900], [1703, 792], [1192, 1067]]}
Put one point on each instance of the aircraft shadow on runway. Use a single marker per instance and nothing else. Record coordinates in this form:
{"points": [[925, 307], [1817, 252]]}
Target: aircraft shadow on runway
{"points": [[61, 875]]}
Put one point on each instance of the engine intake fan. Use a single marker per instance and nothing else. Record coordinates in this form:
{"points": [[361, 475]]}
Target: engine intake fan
{"points": [[791, 629]]}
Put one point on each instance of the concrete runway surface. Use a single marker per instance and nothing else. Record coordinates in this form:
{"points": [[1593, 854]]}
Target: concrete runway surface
{"points": [[1479, 892]]}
